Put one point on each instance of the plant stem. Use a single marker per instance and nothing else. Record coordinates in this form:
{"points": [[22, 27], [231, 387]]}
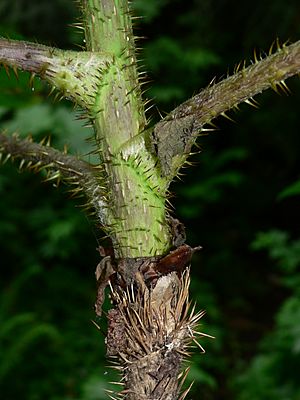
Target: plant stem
{"points": [[137, 212], [58, 166], [177, 132]]}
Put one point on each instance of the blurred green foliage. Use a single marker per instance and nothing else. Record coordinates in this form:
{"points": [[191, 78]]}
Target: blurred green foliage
{"points": [[274, 369], [240, 201]]}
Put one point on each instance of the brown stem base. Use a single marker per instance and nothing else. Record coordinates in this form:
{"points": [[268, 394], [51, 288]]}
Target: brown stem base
{"points": [[149, 332]]}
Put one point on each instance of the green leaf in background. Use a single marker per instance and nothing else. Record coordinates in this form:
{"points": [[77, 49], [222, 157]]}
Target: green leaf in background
{"points": [[280, 248], [148, 9], [216, 176], [273, 372], [164, 51], [57, 121], [290, 190], [17, 92]]}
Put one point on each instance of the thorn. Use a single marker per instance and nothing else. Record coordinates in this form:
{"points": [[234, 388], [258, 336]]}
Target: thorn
{"points": [[227, 117], [236, 68], [110, 396], [212, 82], [8, 156], [278, 44], [182, 376], [199, 345], [32, 76], [53, 177], [205, 334], [284, 87], [186, 392], [251, 102], [37, 166], [56, 97], [14, 68], [65, 150], [255, 56], [6, 70], [210, 123], [98, 327], [51, 91], [274, 87], [21, 164], [207, 130], [75, 192], [271, 48], [42, 142]]}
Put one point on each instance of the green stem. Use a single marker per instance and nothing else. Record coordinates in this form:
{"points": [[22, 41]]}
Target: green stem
{"points": [[137, 212]]}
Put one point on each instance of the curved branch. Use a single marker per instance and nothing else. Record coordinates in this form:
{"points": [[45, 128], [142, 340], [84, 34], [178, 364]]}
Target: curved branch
{"points": [[39, 156], [82, 176], [76, 74], [174, 136]]}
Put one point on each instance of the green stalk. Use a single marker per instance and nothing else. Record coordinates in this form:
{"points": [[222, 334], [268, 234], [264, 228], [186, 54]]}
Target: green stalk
{"points": [[137, 212]]}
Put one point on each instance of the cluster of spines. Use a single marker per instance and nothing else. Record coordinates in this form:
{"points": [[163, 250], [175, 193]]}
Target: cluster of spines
{"points": [[128, 56], [151, 195], [278, 87], [146, 330], [33, 163]]}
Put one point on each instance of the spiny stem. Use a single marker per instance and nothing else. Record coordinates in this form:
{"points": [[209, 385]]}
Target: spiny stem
{"points": [[248, 82], [82, 176], [186, 121], [68, 165], [137, 197]]}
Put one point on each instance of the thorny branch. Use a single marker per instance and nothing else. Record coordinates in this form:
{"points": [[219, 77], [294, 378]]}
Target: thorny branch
{"points": [[64, 70], [44, 156], [57, 165], [174, 136]]}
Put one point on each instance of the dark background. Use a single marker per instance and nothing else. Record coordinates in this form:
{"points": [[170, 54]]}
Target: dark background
{"points": [[240, 201]]}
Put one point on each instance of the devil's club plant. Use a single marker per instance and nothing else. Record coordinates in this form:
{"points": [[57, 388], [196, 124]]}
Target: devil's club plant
{"points": [[151, 324]]}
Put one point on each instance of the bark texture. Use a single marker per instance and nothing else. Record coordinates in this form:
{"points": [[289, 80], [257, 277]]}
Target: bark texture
{"points": [[150, 331]]}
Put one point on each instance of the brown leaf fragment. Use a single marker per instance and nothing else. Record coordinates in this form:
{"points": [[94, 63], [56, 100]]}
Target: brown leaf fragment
{"points": [[104, 271]]}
